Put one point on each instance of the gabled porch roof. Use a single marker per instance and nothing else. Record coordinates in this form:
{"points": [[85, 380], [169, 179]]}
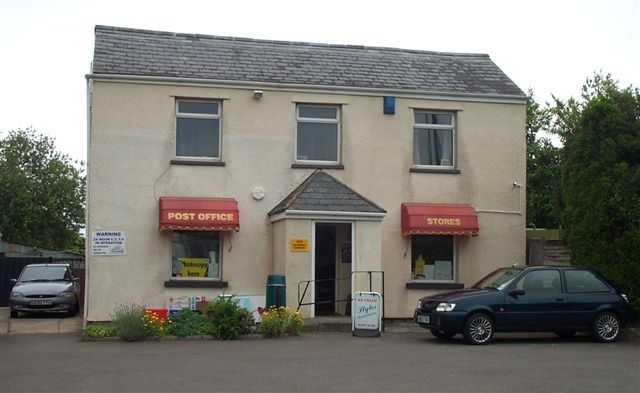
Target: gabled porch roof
{"points": [[322, 193]]}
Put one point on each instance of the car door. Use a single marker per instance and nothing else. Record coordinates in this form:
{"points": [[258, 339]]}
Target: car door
{"points": [[536, 302]]}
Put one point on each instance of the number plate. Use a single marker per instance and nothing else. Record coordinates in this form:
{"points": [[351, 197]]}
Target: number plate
{"points": [[40, 302], [423, 319]]}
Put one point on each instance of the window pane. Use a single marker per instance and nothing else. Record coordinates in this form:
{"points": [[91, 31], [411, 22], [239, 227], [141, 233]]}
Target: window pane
{"points": [[195, 254], [318, 112], [431, 257], [197, 137], [542, 282], [579, 281], [317, 142], [210, 108], [433, 118], [432, 147]]}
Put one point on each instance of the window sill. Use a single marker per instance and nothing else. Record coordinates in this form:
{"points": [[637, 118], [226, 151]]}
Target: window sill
{"points": [[435, 170], [434, 285], [195, 284], [315, 166], [197, 162]]}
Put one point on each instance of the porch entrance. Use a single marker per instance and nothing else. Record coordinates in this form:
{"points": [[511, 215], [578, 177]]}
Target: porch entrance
{"points": [[332, 271]]}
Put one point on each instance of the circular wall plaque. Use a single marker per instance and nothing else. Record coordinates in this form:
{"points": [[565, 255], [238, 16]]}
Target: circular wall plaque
{"points": [[258, 193]]}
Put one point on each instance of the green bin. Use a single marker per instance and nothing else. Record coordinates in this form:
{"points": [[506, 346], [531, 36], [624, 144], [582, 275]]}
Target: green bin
{"points": [[276, 291]]}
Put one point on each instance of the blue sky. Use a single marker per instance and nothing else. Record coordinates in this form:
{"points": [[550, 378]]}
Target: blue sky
{"points": [[46, 46]]}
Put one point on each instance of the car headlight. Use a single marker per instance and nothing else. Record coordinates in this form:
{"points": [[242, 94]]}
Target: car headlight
{"points": [[445, 307], [419, 303], [16, 295], [66, 294]]}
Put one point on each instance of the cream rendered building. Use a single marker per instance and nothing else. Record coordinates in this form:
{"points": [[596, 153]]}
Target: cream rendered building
{"points": [[215, 162]]}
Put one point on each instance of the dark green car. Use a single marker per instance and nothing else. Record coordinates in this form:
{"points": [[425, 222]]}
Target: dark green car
{"points": [[560, 299]]}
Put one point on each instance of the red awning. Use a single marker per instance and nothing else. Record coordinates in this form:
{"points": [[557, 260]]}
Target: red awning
{"points": [[199, 214], [439, 219]]}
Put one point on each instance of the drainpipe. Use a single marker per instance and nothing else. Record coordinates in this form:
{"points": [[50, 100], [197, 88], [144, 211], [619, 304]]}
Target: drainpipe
{"points": [[87, 237]]}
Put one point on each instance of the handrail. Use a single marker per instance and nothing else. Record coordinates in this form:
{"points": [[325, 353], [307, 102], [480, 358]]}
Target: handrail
{"points": [[321, 302], [308, 282]]}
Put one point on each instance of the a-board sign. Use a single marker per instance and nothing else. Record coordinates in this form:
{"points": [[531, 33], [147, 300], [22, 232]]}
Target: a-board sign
{"points": [[366, 314], [108, 243]]}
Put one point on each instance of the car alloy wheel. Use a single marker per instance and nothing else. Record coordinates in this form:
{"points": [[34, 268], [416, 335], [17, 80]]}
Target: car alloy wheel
{"points": [[606, 327], [478, 329]]}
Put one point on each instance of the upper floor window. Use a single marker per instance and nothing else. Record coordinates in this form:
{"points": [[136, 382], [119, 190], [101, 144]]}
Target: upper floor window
{"points": [[318, 133], [198, 129], [434, 139]]}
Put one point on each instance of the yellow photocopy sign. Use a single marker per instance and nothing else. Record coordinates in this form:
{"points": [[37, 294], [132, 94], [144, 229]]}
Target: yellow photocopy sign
{"points": [[193, 267], [298, 245]]}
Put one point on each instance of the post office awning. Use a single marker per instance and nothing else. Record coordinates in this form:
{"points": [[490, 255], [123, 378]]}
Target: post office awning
{"points": [[439, 219], [199, 214]]}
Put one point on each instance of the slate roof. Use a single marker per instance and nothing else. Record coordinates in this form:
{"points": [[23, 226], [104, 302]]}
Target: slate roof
{"points": [[124, 51], [323, 192]]}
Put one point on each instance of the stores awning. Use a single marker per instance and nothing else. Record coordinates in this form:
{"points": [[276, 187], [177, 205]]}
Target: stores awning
{"points": [[199, 214], [439, 219]]}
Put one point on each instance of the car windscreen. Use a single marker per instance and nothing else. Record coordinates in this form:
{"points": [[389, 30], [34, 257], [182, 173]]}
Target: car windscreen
{"points": [[498, 279], [43, 273]]}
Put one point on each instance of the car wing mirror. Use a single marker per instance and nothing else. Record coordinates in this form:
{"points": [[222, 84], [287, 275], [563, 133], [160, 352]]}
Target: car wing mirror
{"points": [[516, 292], [76, 279], [13, 280]]}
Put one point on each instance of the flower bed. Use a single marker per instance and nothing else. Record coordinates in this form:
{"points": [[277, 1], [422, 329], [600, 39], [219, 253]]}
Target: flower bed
{"points": [[223, 319]]}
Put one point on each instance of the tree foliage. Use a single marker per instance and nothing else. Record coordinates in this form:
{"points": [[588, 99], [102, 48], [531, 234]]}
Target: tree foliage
{"points": [[543, 169], [601, 180], [41, 192]]}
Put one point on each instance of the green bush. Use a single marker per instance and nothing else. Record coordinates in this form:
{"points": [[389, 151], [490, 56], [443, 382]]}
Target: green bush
{"points": [[100, 331], [601, 183], [226, 320], [279, 321], [186, 323], [128, 322]]}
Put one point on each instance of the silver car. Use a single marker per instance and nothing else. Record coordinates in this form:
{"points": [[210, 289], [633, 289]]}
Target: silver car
{"points": [[43, 288]]}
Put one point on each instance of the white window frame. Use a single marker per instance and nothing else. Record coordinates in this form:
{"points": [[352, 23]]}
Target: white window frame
{"points": [[454, 268], [217, 116], [337, 121], [424, 126]]}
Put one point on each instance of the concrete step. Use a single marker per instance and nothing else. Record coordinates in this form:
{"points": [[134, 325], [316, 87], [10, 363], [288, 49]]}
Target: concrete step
{"points": [[343, 324]]}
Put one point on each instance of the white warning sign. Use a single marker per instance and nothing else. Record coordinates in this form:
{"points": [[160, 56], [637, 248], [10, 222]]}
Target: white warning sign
{"points": [[108, 243]]}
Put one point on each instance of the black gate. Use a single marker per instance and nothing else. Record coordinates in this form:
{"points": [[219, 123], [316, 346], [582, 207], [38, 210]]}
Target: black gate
{"points": [[10, 267]]}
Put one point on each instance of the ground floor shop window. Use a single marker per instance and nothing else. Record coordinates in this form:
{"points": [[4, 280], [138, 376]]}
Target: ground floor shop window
{"points": [[432, 257], [195, 254]]}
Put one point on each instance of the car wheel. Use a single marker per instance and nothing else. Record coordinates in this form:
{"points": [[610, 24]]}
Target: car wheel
{"points": [[566, 334], [478, 329], [13, 314], [606, 327], [441, 334]]}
